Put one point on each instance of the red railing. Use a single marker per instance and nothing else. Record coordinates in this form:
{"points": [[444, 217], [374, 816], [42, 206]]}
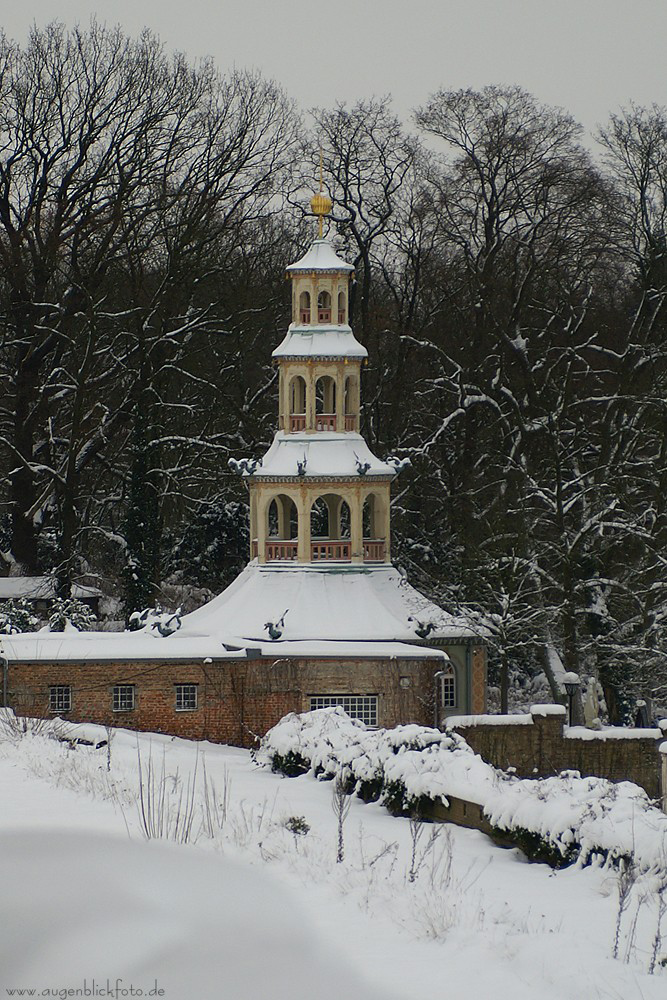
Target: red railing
{"points": [[374, 550], [341, 316], [350, 422], [282, 550], [305, 315], [297, 422], [324, 315], [332, 551], [325, 422]]}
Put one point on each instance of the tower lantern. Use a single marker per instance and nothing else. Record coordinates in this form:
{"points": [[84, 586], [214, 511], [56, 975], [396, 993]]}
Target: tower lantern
{"points": [[319, 495]]}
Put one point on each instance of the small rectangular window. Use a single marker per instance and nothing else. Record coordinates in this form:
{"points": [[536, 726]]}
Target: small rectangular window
{"points": [[123, 697], [60, 698], [186, 697], [448, 689], [358, 706]]}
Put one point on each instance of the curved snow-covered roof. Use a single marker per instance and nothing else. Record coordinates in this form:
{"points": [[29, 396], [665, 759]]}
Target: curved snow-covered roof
{"points": [[331, 611], [320, 342], [320, 256], [340, 604], [326, 454]]}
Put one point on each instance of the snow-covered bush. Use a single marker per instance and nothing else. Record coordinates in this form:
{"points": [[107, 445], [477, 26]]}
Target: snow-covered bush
{"points": [[410, 769], [67, 612], [17, 616]]}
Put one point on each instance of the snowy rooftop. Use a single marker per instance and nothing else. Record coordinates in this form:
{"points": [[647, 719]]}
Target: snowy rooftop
{"points": [[330, 603], [332, 611], [320, 342], [320, 256], [38, 588], [327, 453]]}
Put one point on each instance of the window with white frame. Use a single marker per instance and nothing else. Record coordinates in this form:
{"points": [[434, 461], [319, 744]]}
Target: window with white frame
{"points": [[123, 697], [448, 688], [358, 706], [186, 697], [60, 698]]}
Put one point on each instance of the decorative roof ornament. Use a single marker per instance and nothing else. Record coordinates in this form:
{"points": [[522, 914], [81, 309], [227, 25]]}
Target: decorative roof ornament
{"points": [[320, 203]]}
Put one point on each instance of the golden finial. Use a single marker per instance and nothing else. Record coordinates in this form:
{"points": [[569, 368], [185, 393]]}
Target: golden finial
{"points": [[320, 204]]}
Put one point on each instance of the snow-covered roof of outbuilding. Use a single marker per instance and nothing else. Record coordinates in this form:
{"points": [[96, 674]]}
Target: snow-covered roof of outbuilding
{"points": [[336, 603], [320, 256], [334, 611], [326, 454], [39, 588], [147, 645], [320, 342]]}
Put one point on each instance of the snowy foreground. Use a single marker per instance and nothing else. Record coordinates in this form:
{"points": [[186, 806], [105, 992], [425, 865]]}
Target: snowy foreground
{"points": [[237, 895]]}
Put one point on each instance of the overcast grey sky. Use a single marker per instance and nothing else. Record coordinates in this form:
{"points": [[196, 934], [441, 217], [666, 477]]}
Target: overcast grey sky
{"points": [[589, 56]]}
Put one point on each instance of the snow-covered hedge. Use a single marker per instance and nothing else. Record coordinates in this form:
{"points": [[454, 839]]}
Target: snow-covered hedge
{"points": [[564, 818]]}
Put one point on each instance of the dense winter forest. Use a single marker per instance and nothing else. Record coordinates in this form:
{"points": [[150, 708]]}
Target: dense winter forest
{"points": [[510, 289]]}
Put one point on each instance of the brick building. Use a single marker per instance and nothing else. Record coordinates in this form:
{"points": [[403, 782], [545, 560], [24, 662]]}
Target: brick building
{"points": [[320, 615]]}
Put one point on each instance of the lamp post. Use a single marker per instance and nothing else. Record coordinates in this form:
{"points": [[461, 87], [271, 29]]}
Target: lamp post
{"points": [[437, 677], [571, 684]]}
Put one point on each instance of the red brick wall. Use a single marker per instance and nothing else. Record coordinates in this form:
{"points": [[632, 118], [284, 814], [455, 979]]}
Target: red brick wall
{"points": [[238, 700]]}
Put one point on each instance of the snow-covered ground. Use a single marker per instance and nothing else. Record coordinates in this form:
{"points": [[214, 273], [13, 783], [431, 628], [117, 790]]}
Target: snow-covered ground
{"points": [[255, 904]]}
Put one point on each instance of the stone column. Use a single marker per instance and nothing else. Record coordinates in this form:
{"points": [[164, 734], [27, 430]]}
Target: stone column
{"points": [[356, 527], [340, 399], [310, 399], [263, 502], [386, 524], [303, 510]]}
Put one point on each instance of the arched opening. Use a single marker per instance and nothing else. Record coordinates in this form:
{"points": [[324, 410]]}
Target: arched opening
{"points": [[341, 307], [330, 523], [282, 529], [351, 403], [325, 403], [373, 531], [319, 519], [304, 307], [297, 404], [272, 520], [448, 687], [324, 307]]}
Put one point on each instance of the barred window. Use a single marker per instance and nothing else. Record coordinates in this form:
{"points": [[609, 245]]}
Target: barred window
{"points": [[60, 698], [448, 688], [186, 697], [123, 697], [358, 706]]}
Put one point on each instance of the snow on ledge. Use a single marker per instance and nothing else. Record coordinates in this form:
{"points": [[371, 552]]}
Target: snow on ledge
{"points": [[611, 733], [543, 710], [463, 721]]}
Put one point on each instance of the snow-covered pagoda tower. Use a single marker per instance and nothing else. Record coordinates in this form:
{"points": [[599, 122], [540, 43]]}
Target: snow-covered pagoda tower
{"points": [[319, 617], [319, 495]]}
